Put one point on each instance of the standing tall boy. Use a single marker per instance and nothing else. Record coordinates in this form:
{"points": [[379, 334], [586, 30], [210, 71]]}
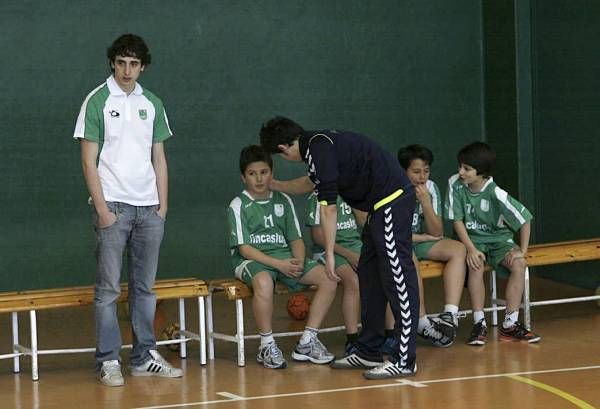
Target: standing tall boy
{"points": [[371, 180], [122, 127]]}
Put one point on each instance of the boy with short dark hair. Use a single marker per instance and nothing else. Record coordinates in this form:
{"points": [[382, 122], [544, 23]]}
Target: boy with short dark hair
{"points": [[429, 243], [266, 246], [485, 218], [122, 128]]}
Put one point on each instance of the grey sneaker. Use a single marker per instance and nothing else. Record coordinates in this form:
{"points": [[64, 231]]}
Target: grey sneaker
{"points": [[351, 360], [435, 333], [156, 366], [314, 351], [390, 370], [271, 356], [110, 374]]}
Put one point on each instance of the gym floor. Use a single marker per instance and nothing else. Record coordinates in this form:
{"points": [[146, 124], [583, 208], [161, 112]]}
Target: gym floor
{"points": [[562, 371]]}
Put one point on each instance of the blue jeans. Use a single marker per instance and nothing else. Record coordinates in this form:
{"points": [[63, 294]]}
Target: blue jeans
{"points": [[139, 231]]}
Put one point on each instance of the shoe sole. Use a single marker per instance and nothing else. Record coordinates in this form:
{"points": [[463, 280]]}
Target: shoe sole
{"points": [[282, 366], [345, 365], [303, 358], [477, 343], [121, 383], [511, 339], [371, 377], [157, 374]]}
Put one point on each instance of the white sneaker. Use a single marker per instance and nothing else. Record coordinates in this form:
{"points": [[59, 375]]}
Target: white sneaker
{"points": [[156, 366], [110, 374], [390, 370]]}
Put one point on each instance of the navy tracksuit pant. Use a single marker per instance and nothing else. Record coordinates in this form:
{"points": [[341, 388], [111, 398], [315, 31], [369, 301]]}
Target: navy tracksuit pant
{"points": [[386, 273]]}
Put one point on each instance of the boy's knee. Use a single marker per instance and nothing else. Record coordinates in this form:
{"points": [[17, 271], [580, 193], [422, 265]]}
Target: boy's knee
{"points": [[518, 267], [262, 284]]}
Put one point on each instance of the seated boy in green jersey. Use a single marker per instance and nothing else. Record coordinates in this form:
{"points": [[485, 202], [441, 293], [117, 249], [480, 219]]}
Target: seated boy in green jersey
{"points": [[266, 246], [429, 243], [485, 218], [347, 252]]}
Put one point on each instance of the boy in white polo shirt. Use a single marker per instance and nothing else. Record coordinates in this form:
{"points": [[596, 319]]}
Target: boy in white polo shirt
{"points": [[122, 127]]}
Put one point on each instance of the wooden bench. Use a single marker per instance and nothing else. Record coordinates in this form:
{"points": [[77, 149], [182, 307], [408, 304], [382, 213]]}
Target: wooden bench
{"points": [[32, 301], [538, 255]]}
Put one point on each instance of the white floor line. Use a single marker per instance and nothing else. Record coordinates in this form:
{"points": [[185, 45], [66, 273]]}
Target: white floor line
{"points": [[376, 386], [230, 395]]}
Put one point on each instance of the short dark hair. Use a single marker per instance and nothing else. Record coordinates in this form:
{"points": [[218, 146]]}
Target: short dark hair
{"points": [[279, 131], [409, 153], [254, 153], [480, 156], [129, 45]]}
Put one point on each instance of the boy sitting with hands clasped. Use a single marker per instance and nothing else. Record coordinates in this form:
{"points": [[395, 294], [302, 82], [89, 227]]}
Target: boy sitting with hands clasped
{"points": [[484, 218]]}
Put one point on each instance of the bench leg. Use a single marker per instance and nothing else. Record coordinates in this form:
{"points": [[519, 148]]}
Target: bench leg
{"points": [[209, 327], [202, 330], [239, 313], [527, 301], [494, 295], [34, 346], [15, 337], [182, 346]]}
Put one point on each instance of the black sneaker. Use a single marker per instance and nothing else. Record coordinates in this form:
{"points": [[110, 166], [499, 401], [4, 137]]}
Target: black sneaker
{"points": [[448, 324], [434, 333], [518, 332], [478, 334]]}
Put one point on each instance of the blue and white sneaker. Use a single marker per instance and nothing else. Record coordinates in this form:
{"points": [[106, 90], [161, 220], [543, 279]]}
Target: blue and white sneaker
{"points": [[313, 351], [271, 356], [352, 360]]}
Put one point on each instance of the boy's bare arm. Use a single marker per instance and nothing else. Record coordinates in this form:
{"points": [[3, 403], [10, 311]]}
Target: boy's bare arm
{"points": [[290, 267], [360, 216], [159, 162], [475, 258], [298, 186], [420, 238], [524, 236], [433, 222], [319, 238], [89, 154]]}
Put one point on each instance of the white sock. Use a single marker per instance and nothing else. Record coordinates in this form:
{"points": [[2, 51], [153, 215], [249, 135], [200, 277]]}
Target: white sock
{"points": [[423, 323], [266, 338], [478, 316], [452, 309], [308, 334], [510, 319]]}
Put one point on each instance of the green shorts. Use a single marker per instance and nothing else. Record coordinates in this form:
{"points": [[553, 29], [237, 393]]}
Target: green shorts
{"points": [[249, 268], [422, 248], [495, 252], [339, 260]]}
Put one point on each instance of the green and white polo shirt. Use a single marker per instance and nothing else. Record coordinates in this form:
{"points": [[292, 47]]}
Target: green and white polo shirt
{"points": [[418, 222], [490, 215], [347, 234], [267, 225], [125, 127]]}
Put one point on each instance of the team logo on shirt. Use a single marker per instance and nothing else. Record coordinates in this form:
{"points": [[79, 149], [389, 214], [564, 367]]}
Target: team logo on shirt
{"points": [[278, 209], [143, 114], [484, 205]]}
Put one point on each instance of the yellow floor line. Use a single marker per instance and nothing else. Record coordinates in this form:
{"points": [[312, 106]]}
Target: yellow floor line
{"points": [[575, 401]]}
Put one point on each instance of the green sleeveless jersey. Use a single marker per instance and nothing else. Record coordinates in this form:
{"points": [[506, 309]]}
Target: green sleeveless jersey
{"points": [[266, 224], [490, 215], [418, 222], [347, 234]]}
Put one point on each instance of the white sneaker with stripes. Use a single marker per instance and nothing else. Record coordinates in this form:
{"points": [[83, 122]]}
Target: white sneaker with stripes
{"points": [[353, 361], [390, 370], [156, 366], [110, 373]]}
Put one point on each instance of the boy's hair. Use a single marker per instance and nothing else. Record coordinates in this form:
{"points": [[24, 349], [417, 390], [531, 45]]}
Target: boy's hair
{"points": [[129, 45], [254, 153], [480, 156], [411, 152], [279, 131]]}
